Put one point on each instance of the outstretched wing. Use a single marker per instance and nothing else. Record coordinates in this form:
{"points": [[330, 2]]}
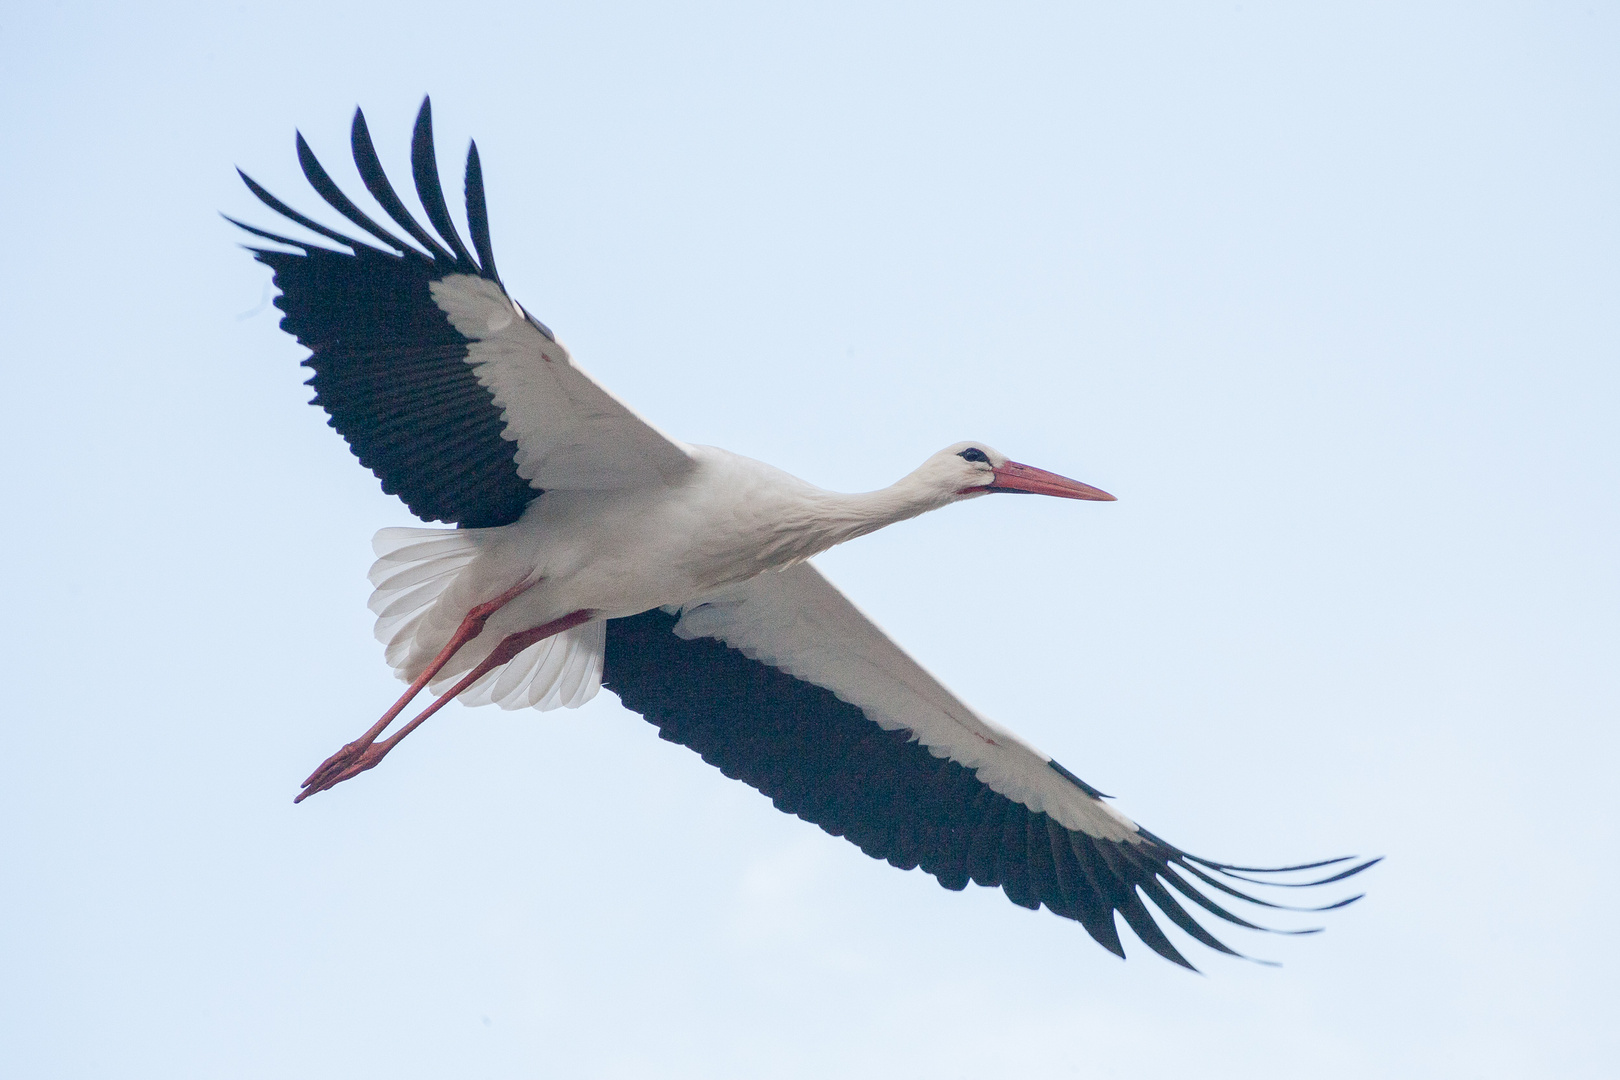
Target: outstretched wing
{"points": [[784, 684], [461, 403]]}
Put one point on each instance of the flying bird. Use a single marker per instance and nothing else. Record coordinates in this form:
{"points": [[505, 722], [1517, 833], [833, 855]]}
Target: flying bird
{"points": [[590, 549]]}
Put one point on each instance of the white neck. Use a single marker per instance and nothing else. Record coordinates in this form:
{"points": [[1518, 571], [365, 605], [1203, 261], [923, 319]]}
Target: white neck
{"points": [[825, 519]]}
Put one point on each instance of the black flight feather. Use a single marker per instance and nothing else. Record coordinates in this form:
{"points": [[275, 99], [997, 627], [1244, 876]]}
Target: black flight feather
{"points": [[276, 237], [1224, 867], [1340, 876], [290, 214], [478, 214], [376, 181], [1141, 922], [327, 189], [425, 170]]}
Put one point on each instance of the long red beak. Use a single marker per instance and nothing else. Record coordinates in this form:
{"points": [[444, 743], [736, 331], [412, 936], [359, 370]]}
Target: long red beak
{"points": [[1015, 477]]}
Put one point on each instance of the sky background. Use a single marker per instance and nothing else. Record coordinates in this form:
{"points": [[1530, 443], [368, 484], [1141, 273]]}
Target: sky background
{"points": [[1326, 294]]}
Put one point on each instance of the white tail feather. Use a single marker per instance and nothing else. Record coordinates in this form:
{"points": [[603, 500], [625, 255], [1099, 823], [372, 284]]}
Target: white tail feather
{"points": [[414, 567], [561, 672]]}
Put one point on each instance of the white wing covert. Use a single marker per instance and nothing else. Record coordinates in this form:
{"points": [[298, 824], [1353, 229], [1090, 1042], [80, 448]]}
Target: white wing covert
{"points": [[571, 432]]}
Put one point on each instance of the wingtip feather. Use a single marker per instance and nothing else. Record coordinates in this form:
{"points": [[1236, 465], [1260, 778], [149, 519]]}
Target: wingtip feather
{"points": [[376, 180], [478, 212], [425, 171]]}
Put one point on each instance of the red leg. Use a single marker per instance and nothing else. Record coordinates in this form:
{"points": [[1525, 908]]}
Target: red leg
{"points": [[470, 627], [510, 646]]}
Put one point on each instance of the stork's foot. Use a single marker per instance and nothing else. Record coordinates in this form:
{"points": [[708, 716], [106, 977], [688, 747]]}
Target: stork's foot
{"points": [[336, 767], [365, 752], [358, 756], [348, 762]]}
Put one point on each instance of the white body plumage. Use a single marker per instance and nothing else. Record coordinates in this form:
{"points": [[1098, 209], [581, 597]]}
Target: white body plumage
{"points": [[619, 551]]}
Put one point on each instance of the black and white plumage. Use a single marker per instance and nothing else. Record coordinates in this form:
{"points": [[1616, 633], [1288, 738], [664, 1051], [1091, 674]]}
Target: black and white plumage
{"points": [[592, 549]]}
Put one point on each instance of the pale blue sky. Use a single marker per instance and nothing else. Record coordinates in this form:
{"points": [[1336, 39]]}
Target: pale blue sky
{"points": [[1325, 293]]}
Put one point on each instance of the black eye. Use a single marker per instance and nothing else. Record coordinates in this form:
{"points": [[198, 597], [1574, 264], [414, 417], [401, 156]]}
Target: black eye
{"points": [[973, 453]]}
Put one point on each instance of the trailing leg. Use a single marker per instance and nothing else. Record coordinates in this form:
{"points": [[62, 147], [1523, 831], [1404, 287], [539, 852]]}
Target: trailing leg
{"points": [[471, 626], [373, 752]]}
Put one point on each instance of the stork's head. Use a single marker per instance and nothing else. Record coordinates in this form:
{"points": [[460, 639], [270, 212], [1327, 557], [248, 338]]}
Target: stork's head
{"points": [[970, 469]]}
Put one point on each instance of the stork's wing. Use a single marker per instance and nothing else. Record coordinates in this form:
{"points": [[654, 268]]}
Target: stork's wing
{"points": [[784, 684], [465, 406]]}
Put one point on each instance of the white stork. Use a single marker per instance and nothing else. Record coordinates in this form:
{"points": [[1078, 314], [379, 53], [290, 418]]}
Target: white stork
{"points": [[591, 549]]}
